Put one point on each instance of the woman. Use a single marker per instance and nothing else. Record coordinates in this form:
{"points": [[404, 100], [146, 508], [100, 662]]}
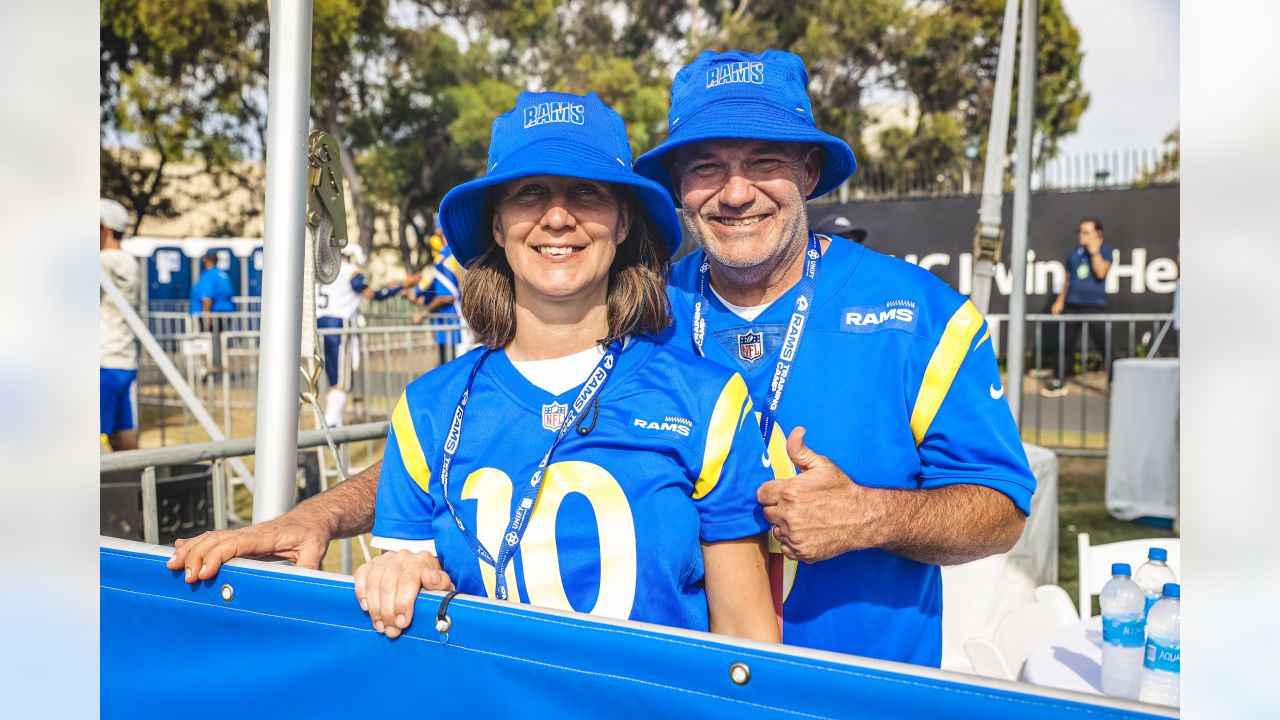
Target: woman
{"points": [[598, 471]]}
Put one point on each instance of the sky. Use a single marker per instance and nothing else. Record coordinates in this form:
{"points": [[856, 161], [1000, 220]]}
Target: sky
{"points": [[1130, 68]]}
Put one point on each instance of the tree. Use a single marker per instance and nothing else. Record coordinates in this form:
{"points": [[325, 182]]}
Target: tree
{"points": [[180, 87]]}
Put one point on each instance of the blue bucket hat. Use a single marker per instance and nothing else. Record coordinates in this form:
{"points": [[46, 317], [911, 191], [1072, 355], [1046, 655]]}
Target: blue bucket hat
{"points": [[551, 134], [738, 95]]}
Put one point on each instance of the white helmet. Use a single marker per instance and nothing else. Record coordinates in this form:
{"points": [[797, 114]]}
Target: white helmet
{"points": [[113, 215], [354, 253]]}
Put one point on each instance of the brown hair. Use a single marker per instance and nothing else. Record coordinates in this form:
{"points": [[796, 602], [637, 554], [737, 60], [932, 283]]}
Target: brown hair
{"points": [[637, 294]]}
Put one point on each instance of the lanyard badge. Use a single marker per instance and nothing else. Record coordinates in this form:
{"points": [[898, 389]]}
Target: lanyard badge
{"points": [[790, 343], [515, 529]]}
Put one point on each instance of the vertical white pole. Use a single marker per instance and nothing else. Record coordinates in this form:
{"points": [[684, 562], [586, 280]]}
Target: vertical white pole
{"points": [[288, 94], [1027, 70]]}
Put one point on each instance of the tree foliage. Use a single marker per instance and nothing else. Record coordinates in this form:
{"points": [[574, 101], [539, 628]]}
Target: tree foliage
{"points": [[410, 87]]}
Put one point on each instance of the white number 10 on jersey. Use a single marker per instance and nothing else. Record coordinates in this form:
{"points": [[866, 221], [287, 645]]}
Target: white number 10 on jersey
{"points": [[492, 488]]}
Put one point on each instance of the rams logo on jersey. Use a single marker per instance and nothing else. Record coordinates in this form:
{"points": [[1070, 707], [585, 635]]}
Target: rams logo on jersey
{"points": [[670, 424], [897, 315]]}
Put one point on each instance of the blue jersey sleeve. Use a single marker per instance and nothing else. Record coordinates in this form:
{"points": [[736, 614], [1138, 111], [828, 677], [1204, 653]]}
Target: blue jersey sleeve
{"points": [[963, 429], [404, 505], [734, 466]]}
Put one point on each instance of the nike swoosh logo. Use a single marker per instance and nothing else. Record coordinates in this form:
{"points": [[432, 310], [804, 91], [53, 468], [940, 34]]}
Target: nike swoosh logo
{"points": [[997, 394], [764, 460]]}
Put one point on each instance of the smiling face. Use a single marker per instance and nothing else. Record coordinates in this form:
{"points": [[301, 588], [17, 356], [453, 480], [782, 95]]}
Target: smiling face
{"points": [[559, 235], [744, 200]]}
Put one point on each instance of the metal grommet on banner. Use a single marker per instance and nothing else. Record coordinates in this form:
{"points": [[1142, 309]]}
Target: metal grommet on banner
{"points": [[228, 592], [739, 673], [443, 623]]}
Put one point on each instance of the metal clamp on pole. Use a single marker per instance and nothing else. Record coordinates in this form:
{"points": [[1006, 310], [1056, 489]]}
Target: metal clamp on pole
{"points": [[326, 211]]}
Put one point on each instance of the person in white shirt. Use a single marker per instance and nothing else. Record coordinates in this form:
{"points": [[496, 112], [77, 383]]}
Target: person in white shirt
{"points": [[117, 353], [337, 306]]}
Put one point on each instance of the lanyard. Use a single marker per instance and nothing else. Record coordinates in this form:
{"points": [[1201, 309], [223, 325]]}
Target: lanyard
{"points": [[790, 344], [515, 530]]}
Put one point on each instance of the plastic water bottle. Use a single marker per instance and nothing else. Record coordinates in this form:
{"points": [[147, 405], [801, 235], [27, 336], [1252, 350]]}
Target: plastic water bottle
{"points": [[1162, 663], [1153, 575], [1122, 634]]}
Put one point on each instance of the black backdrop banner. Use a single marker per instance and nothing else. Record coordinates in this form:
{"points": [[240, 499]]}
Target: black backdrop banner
{"points": [[937, 234]]}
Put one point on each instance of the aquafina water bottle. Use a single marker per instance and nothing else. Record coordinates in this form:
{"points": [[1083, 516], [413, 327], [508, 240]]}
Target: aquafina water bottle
{"points": [[1122, 634], [1152, 576], [1162, 663]]}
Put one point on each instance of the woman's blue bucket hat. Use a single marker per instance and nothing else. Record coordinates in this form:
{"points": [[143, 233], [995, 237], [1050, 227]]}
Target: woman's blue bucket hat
{"points": [[552, 134], [738, 95]]}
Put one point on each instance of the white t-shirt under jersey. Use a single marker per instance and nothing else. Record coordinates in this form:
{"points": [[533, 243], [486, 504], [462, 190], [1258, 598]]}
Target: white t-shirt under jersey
{"points": [[746, 313]]}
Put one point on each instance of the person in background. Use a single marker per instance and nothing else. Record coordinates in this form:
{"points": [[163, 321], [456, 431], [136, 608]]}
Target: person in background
{"points": [[1084, 292], [438, 292], [212, 292], [338, 306], [117, 353]]}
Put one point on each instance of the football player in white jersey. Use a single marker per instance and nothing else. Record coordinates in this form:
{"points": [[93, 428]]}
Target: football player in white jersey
{"points": [[338, 305]]}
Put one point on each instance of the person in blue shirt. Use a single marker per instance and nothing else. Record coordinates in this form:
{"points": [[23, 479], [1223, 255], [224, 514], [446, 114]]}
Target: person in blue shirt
{"points": [[877, 382], [570, 461], [1084, 292], [212, 292]]}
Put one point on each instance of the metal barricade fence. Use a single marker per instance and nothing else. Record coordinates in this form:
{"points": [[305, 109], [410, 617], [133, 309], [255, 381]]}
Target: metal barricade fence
{"points": [[1067, 387], [219, 512]]}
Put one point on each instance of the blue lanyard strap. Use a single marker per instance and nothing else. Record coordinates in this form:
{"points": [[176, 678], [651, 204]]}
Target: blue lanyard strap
{"points": [[790, 343], [515, 529]]}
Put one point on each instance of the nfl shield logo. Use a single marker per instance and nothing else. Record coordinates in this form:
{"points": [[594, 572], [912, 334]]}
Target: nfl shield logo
{"points": [[553, 415], [750, 346]]}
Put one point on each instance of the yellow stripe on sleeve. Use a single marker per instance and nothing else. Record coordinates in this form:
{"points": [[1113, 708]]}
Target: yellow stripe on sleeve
{"points": [[731, 407], [947, 356], [410, 449]]}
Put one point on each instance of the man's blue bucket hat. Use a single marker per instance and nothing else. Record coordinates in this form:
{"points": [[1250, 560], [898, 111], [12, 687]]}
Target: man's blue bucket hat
{"points": [[738, 95], [551, 134]]}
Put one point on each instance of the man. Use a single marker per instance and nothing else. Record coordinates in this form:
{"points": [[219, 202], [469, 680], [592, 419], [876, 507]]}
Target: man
{"points": [[212, 292], [1084, 292], [908, 455], [887, 369], [338, 305], [117, 354]]}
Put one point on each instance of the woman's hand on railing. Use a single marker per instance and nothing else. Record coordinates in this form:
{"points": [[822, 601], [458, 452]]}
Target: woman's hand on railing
{"points": [[201, 557], [388, 585]]}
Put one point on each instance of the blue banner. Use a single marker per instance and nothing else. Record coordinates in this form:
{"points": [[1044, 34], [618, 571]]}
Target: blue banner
{"points": [[270, 641]]}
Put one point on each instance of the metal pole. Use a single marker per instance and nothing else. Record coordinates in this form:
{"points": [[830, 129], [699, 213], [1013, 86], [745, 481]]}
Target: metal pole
{"points": [[288, 93], [1027, 72], [990, 211]]}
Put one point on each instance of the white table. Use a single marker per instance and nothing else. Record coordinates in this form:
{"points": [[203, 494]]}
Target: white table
{"points": [[1071, 659]]}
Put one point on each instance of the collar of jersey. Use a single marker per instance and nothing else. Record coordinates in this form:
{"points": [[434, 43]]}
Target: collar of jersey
{"points": [[531, 397], [837, 264]]}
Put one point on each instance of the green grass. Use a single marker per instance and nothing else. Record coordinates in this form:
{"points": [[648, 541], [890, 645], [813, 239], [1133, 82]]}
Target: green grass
{"points": [[1082, 508]]}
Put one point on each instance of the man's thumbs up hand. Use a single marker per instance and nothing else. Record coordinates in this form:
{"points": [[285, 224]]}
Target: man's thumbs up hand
{"points": [[821, 512]]}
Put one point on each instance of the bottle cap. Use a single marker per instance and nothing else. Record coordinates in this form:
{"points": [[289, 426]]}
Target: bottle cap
{"points": [[1157, 554], [1120, 569], [1173, 590]]}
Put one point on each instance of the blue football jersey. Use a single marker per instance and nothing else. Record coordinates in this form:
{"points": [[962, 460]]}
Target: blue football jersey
{"points": [[672, 456], [896, 382]]}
